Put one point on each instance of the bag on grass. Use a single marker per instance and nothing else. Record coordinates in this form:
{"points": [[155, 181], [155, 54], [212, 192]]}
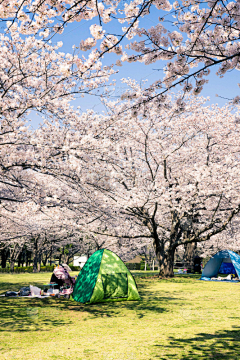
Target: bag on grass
{"points": [[11, 293], [24, 291], [35, 290]]}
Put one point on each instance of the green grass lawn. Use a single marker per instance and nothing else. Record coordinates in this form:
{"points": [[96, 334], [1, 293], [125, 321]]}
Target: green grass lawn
{"points": [[177, 319]]}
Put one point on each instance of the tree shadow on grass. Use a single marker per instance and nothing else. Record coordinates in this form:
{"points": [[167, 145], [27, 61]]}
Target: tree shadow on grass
{"points": [[119, 308], [176, 278], [33, 314], [23, 314], [152, 302], [223, 344]]}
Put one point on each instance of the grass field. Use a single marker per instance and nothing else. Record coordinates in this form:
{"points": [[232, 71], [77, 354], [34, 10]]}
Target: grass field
{"points": [[177, 319]]}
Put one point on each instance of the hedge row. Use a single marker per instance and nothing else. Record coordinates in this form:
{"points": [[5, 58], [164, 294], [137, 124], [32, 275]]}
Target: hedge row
{"points": [[132, 266], [29, 269], [50, 268]]}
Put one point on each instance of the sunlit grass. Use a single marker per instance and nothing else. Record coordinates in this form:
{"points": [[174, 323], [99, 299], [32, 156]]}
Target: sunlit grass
{"points": [[180, 319]]}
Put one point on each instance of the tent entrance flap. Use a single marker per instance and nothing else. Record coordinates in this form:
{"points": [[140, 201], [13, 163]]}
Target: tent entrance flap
{"points": [[227, 268], [115, 285]]}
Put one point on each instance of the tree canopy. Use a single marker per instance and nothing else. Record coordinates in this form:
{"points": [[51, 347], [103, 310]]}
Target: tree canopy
{"points": [[154, 167]]}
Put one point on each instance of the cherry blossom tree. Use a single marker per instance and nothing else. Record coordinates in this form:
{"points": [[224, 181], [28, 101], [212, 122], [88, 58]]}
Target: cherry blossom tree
{"points": [[189, 38], [40, 233], [229, 239], [170, 176], [203, 35], [174, 174], [36, 76], [38, 226], [166, 174]]}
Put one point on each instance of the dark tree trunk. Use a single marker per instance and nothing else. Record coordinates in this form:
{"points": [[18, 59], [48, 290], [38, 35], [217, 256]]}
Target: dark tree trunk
{"points": [[165, 257], [66, 258], [45, 259], [28, 258], [165, 247], [189, 255], [12, 263], [36, 256], [167, 263], [14, 253], [51, 251], [35, 262], [39, 262], [23, 258], [19, 259], [61, 255], [4, 257]]}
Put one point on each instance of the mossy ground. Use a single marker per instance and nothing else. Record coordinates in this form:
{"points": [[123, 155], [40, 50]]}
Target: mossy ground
{"points": [[178, 319]]}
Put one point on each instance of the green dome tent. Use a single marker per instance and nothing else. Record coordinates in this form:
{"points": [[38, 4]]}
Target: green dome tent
{"points": [[103, 278]]}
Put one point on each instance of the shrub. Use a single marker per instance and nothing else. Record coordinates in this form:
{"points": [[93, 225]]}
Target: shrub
{"points": [[132, 266], [75, 268], [138, 266], [142, 267]]}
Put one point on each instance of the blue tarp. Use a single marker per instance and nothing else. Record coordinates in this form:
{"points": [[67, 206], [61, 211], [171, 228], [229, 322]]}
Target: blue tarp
{"points": [[225, 260]]}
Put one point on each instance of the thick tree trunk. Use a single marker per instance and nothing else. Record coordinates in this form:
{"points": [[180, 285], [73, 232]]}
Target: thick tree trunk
{"points": [[39, 262], [165, 247], [50, 256], [4, 256], [66, 259], [167, 263], [14, 254], [29, 258], [12, 263], [23, 257], [36, 256], [189, 255], [45, 259], [19, 259], [165, 257], [35, 261], [61, 255]]}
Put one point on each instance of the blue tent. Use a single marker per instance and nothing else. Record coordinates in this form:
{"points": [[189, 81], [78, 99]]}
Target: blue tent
{"points": [[223, 262]]}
